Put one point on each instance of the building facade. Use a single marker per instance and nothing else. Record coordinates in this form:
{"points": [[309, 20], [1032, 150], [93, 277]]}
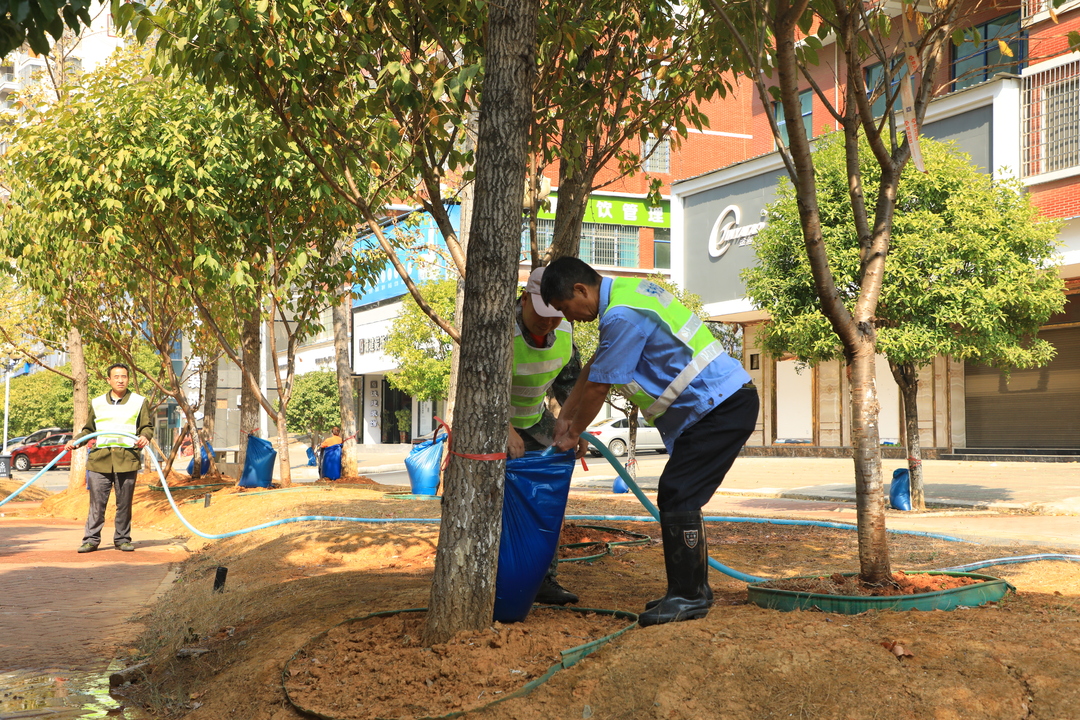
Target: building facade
{"points": [[1016, 117]]}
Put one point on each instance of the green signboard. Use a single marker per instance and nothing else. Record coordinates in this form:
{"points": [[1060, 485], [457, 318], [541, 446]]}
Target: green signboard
{"points": [[610, 210]]}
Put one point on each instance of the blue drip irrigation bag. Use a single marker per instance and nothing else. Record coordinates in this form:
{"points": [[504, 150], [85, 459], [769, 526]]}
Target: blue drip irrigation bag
{"points": [[900, 490], [534, 502], [205, 464], [331, 462], [258, 463], [311, 460], [423, 465]]}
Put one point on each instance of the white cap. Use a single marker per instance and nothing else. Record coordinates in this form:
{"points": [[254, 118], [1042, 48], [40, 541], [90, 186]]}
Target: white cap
{"points": [[533, 288]]}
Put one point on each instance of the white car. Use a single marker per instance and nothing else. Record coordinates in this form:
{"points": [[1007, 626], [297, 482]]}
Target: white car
{"points": [[615, 433]]}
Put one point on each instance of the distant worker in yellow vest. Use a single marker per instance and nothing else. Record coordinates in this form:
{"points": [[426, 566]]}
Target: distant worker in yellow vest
{"points": [[662, 357], [334, 439], [115, 460], [546, 361]]}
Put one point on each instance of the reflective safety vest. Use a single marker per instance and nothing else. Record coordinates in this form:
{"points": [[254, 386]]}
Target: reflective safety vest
{"points": [[535, 369], [683, 324], [123, 417]]}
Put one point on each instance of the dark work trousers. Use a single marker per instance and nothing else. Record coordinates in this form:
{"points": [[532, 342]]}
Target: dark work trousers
{"points": [[705, 451], [101, 484]]}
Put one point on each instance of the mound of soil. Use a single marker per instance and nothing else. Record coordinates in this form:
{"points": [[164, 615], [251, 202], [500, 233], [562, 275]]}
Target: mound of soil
{"points": [[376, 667], [851, 586], [289, 583]]}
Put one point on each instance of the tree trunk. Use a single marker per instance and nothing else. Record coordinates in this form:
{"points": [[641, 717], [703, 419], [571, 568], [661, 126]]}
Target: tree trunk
{"points": [[869, 491], [631, 436], [81, 402], [210, 387], [569, 214], [250, 347], [907, 377], [346, 392], [283, 451], [463, 590], [466, 197]]}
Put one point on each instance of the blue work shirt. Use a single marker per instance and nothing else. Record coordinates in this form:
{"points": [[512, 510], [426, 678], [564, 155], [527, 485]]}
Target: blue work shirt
{"points": [[634, 346]]}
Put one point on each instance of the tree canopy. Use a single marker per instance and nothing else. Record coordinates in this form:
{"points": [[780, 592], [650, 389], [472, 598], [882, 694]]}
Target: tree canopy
{"points": [[33, 21], [314, 407], [420, 348], [971, 271]]}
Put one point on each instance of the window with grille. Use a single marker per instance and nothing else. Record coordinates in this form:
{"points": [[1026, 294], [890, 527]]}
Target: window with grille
{"points": [[1051, 120], [660, 159], [609, 245]]}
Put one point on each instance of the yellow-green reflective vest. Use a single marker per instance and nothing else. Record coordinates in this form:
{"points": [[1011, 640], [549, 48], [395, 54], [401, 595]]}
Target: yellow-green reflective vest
{"points": [[117, 418], [535, 369], [677, 319]]}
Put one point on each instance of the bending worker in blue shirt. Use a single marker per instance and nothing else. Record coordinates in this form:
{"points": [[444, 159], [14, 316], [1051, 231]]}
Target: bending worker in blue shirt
{"points": [[661, 356]]}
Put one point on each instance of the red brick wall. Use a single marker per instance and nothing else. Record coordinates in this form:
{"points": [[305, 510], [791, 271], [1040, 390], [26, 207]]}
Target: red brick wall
{"points": [[1060, 199]]}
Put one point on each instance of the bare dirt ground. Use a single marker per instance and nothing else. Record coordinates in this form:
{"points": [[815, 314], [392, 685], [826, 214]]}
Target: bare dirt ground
{"points": [[287, 584]]}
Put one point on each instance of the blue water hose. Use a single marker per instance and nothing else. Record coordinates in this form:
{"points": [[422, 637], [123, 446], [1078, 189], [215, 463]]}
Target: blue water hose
{"points": [[653, 511]]}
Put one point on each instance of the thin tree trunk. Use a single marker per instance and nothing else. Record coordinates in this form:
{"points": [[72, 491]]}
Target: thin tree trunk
{"points": [[874, 564], [283, 451], [463, 589], [569, 214], [346, 393], [250, 347], [631, 437], [81, 402], [907, 377]]}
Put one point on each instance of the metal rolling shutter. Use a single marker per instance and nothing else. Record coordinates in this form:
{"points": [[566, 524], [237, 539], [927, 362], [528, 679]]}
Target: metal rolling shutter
{"points": [[1037, 408]]}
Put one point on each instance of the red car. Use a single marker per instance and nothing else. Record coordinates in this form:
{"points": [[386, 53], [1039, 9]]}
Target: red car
{"points": [[41, 453]]}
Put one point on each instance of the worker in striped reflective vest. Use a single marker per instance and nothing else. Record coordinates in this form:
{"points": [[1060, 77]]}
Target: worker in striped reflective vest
{"points": [[661, 356], [546, 362]]}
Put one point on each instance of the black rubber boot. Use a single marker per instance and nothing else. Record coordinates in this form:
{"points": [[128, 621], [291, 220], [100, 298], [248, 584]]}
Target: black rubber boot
{"points": [[686, 562], [708, 596], [551, 592]]}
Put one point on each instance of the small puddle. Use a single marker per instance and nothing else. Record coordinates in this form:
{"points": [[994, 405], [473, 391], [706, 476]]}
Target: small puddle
{"points": [[60, 695]]}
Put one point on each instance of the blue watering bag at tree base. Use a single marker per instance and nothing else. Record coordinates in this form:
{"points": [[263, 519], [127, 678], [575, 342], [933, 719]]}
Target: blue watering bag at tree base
{"points": [[331, 462], [423, 465], [311, 461], [258, 463], [205, 464], [900, 490], [534, 501]]}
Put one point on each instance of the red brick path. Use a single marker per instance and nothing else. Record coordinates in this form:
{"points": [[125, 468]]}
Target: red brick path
{"points": [[63, 610]]}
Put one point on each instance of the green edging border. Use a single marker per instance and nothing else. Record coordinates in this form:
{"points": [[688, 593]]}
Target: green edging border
{"points": [[570, 658], [991, 589], [638, 539]]}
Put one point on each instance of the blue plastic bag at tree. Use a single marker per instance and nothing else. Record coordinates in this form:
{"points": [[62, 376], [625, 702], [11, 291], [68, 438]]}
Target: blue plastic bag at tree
{"points": [[900, 490], [205, 464], [258, 463], [534, 502], [423, 465], [311, 460], [331, 462]]}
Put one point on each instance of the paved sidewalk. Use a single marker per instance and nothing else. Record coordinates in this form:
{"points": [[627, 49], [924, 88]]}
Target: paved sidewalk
{"points": [[62, 610]]}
